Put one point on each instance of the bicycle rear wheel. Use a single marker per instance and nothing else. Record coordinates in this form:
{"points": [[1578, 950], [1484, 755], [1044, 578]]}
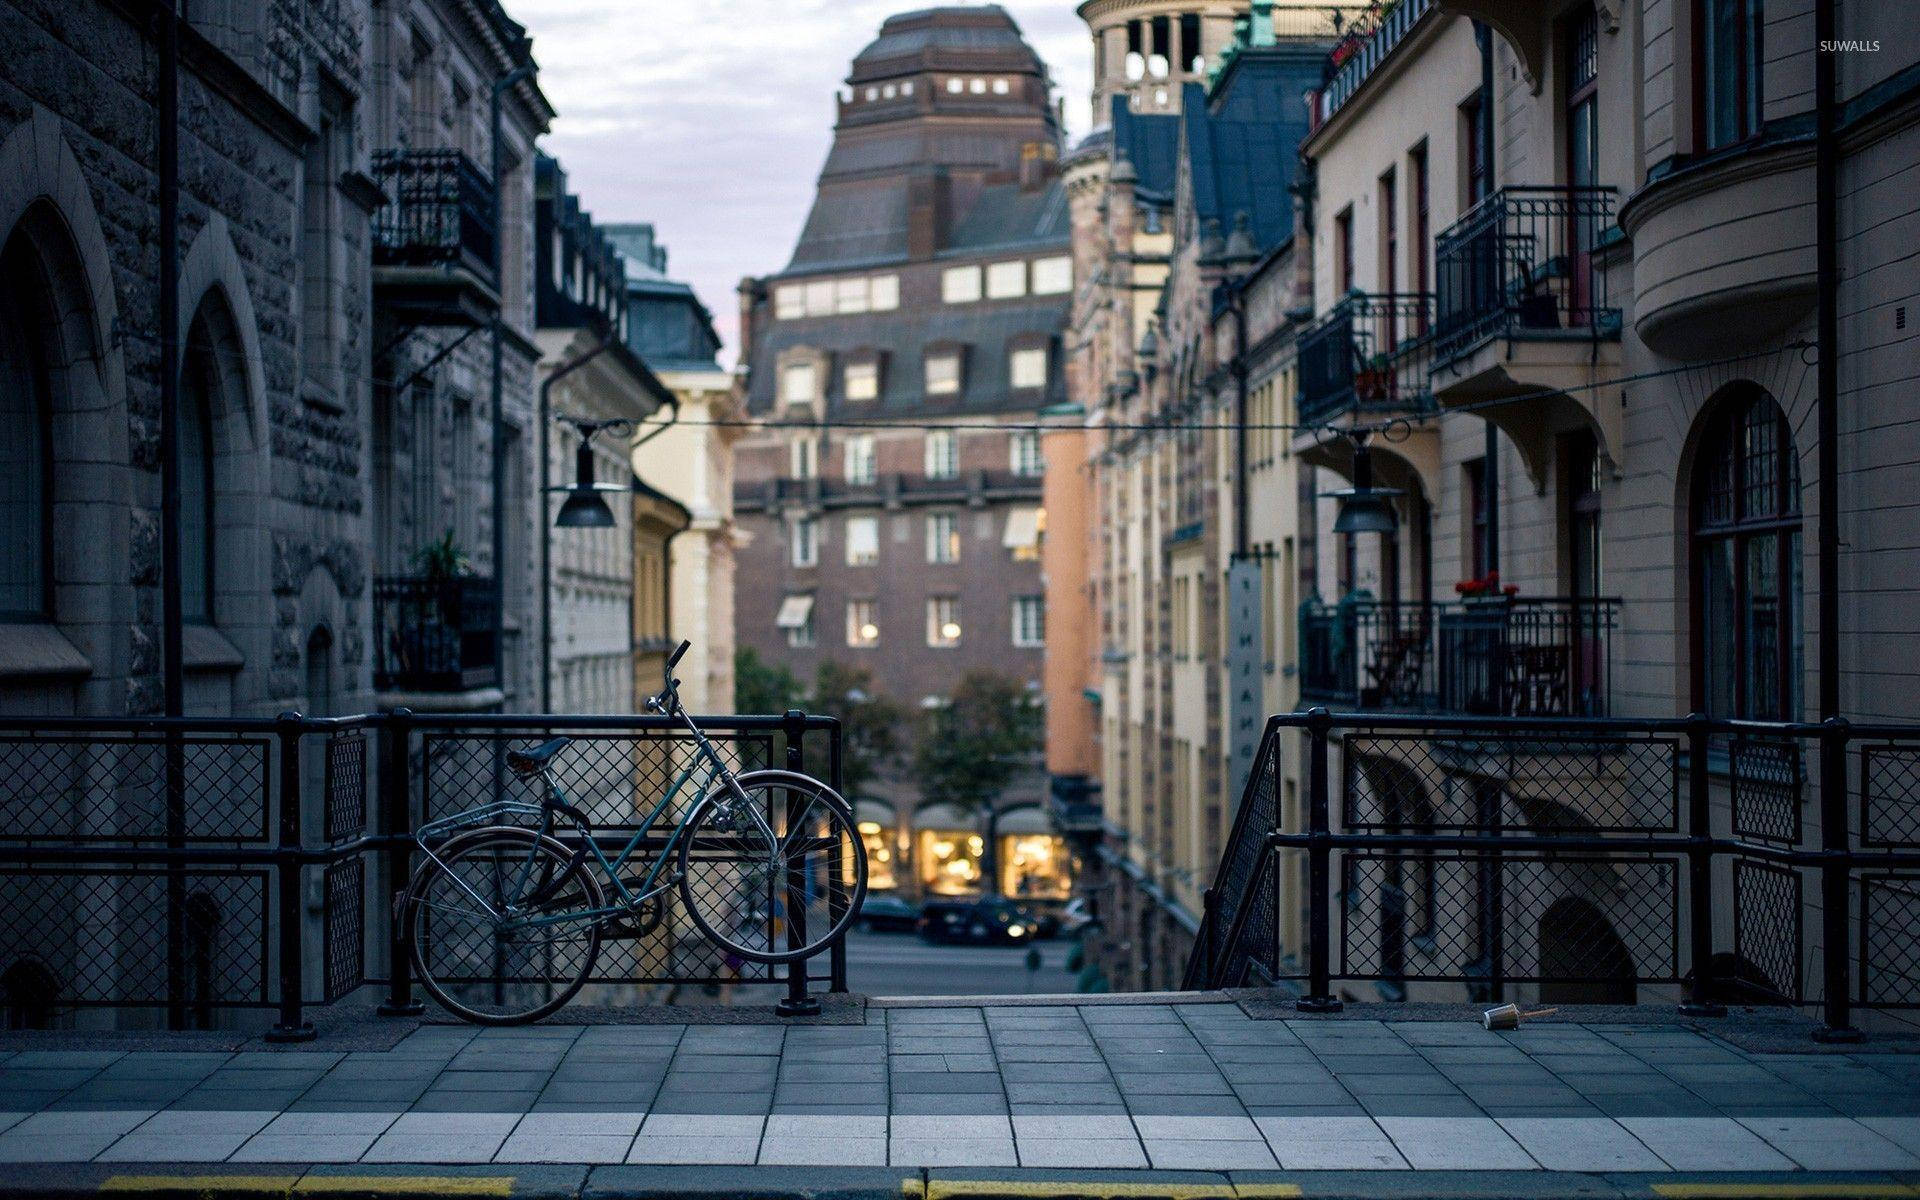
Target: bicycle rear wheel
{"points": [[775, 878], [484, 946]]}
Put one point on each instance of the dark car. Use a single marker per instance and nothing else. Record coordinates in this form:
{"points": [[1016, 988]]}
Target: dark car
{"points": [[987, 922], [884, 913]]}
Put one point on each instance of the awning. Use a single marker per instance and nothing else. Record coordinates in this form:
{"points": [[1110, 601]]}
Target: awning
{"points": [[1023, 528], [794, 611]]}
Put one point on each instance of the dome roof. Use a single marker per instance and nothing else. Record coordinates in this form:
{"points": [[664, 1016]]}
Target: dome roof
{"points": [[979, 37]]}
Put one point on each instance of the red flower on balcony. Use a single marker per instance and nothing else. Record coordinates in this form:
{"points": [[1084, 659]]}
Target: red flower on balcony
{"points": [[1485, 587]]}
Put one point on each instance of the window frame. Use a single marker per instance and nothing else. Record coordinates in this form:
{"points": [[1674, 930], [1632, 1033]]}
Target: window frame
{"points": [[1038, 606], [1026, 465], [40, 419], [797, 541], [787, 372], [860, 449], [871, 558], [967, 293], [870, 609], [936, 636], [1019, 354], [947, 459], [943, 538]]}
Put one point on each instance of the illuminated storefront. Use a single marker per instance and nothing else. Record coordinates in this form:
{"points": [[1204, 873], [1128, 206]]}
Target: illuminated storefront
{"points": [[950, 854], [879, 832]]}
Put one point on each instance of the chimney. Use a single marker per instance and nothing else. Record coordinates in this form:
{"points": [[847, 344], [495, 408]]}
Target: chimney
{"points": [[751, 290], [1039, 163], [928, 205]]}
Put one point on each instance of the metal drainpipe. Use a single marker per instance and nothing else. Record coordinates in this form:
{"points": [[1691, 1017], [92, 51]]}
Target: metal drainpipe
{"points": [[500, 88], [1490, 471], [172, 602], [1242, 501], [1826, 168]]}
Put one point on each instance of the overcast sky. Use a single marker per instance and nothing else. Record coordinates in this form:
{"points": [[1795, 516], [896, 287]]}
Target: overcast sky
{"points": [[711, 118]]}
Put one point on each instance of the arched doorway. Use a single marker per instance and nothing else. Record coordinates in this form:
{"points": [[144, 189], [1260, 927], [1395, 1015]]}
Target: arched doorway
{"points": [[1582, 960], [320, 688]]}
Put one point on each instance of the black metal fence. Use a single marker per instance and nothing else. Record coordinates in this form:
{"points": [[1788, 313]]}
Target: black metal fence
{"points": [[1370, 353], [1588, 860], [1502, 656], [194, 867], [1520, 263], [441, 211]]}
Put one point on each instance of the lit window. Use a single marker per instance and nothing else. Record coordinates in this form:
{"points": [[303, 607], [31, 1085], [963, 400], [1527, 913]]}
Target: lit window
{"points": [[1000, 87], [789, 301], [795, 619], [1023, 533], [1029, 621], [1023, 452], [943, 455], [943, 621], [888, 91], [883, 293], [1006, 280], [873, 93], [803, 458], [943, 538], [906, 87], [960, 285], [860, 458], [943, 373], [956, 86], [798, 383], [863, 541], [804, 543], [861, 380], [863, 623], [820, 298], [1051, 276], [978, 87], [850, 295], [1028, 368]]}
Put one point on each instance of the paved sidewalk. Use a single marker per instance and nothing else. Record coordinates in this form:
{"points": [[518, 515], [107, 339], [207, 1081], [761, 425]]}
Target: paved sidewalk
{"points": [[1200, 1086]]}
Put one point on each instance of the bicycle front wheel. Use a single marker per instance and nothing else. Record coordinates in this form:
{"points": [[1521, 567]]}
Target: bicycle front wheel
{"points": [[491, 941], [777, 876]]}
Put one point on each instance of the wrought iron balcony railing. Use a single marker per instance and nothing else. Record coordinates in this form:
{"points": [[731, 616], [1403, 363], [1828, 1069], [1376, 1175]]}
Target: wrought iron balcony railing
{"points": [[1369, 353], [1366, 55], [442, 214], [1503, 656], [435, 635], [1519, 265]]}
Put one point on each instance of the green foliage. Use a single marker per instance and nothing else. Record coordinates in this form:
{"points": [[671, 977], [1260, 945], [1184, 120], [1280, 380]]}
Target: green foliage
{"points": [[442, 559], [872, 727], [761, 688], [970, 749]]}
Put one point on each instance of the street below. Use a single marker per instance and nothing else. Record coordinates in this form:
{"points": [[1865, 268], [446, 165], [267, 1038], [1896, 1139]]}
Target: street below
{"points": [[901, 964]]}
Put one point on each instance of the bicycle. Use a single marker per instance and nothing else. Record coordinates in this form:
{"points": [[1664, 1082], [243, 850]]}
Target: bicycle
{"points": [[505, 921]]}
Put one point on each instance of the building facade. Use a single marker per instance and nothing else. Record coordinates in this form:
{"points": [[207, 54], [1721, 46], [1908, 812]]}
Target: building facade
{"points": [[1572, 248], [688, 454], [890, 505]]}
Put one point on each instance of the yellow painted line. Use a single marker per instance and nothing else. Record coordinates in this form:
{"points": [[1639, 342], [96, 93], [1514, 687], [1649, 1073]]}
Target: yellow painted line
{"points": [[1267, 1191], [409, 1185], [204, 1184], [1784, 1191], [1070, 1189]]}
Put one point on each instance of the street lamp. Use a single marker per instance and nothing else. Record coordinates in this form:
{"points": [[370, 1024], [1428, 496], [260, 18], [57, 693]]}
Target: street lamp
{"points": [[1365, 508], [586, 505]]}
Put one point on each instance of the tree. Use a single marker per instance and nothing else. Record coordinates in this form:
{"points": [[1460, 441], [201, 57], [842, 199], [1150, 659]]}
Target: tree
{"points": [[983, 738], [872, 727], [762, 688]]}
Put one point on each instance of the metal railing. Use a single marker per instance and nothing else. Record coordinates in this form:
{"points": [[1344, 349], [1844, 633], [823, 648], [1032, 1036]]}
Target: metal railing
{"points": [[1370, 353], [199, 867], [1587, 860], [435, 635], [1520, 264], [442, 211], [1503, 656], [1367, 55]]}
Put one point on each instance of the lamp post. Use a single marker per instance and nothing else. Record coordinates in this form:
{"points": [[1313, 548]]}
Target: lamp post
{"points": [[585, 507]]}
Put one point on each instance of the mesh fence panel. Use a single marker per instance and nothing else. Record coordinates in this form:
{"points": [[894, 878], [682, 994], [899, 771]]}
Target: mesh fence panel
{"points": [[1890, 941], [1890, 795], [1768, 926], [346, 784], [1767, 776], [101, 788], [1439, 782]]}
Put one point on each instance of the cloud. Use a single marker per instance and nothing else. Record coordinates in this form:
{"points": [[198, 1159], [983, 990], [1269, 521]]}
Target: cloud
{"points": [[711, 118]]}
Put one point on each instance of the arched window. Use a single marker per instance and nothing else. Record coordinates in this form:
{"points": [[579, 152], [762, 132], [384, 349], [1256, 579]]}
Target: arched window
{"points": [[26, 526], [1746, 561], [198, 378]]}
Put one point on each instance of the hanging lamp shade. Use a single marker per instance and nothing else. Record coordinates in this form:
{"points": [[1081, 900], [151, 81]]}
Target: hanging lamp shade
{"points": [[1365, 508], [586, 505]]}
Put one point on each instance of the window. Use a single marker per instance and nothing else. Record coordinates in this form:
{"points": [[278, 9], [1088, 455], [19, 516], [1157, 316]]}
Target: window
{"points": [[860, 458], [1580, 486], [863, 541], [26, 526], [1029, 621], [1475, 142], [956, 86], [1422, 230], [196, 479], [819, 297], [863, 624], [943, 373], [1746, 562], [977, 86], [943, 456], [1006, 280], [960, 285], [799, 383], [943, 621], [1390, 254], [1023, 453], [1027, 369], [803, 542], [850, 296], [943, 538], [1022, 535], [1475, 481], [861, 380], [795, 618], [1000, 87], [803, 457], [789, 301], [1729, 89], [1182, 606], [883, 293], [1052, 276]]}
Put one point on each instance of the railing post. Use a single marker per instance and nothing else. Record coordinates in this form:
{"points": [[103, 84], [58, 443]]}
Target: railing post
{"points": [[293, 1025], [836, 777], [796, 1003], [1700, 999], [1836, 862], [1319, 997], [396, 824]]}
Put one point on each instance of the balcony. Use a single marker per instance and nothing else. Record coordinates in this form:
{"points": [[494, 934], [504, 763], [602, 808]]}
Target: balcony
{"points": [[1366, 55], [1502, 656], [1369, 354], [433, 243], [435, 635], [888, 490], [1520, 265]]}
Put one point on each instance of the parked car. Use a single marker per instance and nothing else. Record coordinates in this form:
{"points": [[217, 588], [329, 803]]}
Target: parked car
{"points": [[882, 912], [989, 921]]}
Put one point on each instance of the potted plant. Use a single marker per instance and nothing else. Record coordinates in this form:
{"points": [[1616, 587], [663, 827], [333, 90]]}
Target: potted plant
{"points": [[1374, 380], [1486, 587], [432, 638]]}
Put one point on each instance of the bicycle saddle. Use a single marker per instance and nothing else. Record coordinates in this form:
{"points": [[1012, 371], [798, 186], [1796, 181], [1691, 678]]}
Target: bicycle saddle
{"points": [[527, 763]]}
